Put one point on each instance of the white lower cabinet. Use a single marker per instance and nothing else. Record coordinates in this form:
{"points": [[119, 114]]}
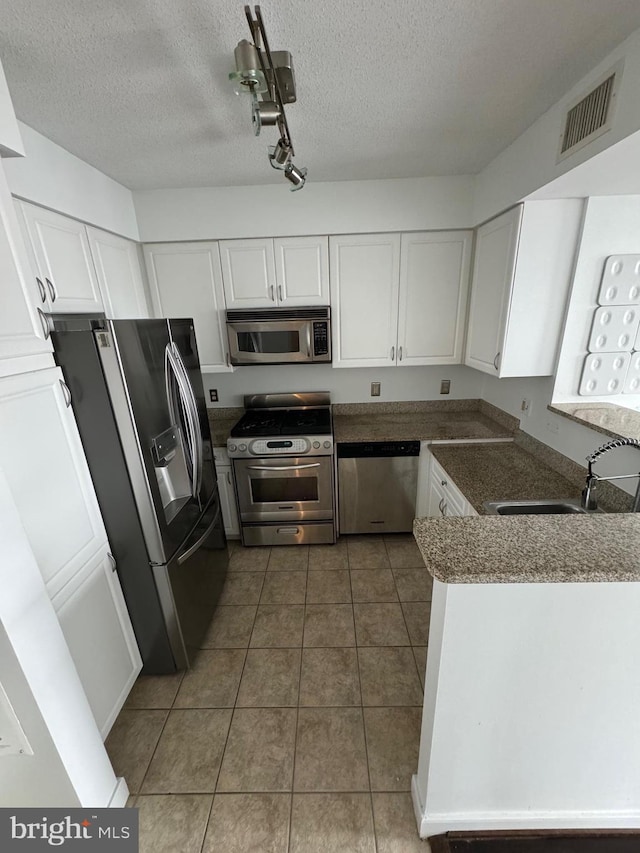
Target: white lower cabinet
{"points": [[96, 625], [441, 497], [227, 492]]}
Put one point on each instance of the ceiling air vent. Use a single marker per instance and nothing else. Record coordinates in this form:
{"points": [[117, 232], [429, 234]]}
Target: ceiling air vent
{"points": [[590, 115]]}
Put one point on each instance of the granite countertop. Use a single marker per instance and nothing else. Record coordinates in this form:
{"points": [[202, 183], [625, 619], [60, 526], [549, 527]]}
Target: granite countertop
{"points": [[220, 423], [504, 471], [417, 426], [531, 549]]}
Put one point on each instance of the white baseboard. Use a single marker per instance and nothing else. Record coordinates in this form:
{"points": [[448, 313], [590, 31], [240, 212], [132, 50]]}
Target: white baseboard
{"points": [[436, 824], [120, 795]]}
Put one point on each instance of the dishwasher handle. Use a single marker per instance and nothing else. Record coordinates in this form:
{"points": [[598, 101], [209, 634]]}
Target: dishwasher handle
{"points": [[376, 449]]}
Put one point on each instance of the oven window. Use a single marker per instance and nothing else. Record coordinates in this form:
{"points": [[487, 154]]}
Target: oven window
{"points": [[269, 342], [284, 489]]}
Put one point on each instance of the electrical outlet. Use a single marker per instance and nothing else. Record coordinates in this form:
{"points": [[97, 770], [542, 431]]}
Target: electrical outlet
{"points": [[375, 389], [525, 407], [445, 386], [213, 395]]}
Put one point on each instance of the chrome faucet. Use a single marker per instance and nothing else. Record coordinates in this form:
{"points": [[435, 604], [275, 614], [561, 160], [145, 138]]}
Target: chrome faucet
{"points": [[589, 497]]}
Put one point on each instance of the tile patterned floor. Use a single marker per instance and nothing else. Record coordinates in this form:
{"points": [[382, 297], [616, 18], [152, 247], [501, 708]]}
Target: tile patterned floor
{"points": [[297, 729]]}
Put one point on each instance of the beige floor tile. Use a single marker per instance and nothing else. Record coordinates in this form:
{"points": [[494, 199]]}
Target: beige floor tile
{"points": [[420, 654], [270, 678], [413, 584], [388, 676], [329, 677], [213, 679], [289, 558], [395, 822], [173, 822], [417, 615], [403, 552], [380, 625], [259, 753], [248, 823], [230, 627], [154, 691], [330, 750], [248, 559], [131, 743], [329, 556], [328, 587], [373, 585], [329, 625], [278, 625], [284, 588], [367, 552], [242, 588], [332, 823], [189, 752], [393, 737]]}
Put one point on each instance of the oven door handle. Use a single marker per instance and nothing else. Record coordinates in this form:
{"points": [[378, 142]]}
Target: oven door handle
{"points": [[282, 467]]}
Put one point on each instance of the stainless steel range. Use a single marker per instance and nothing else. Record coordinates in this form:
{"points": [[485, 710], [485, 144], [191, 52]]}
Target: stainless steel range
{"points": [[282, 452]]}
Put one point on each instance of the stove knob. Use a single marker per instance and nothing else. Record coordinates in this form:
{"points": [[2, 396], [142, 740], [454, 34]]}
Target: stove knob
{"points": [[232, 448], [327, 445], [242, 448], [316, 444]]}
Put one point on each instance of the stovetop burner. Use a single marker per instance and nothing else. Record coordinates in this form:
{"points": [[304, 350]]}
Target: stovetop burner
{"points": [[256, 423]]}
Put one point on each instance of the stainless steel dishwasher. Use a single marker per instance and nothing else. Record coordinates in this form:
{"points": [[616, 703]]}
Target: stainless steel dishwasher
{"points": [[377, 485]]}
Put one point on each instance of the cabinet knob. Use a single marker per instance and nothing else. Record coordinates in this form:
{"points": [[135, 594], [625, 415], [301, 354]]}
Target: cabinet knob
{"points": [[280, 296], [495, 360], [112, 560], [443, 482], [393, 353], [400, 353], [66, 393], [272, 291], [45, 324], [52, 290]]}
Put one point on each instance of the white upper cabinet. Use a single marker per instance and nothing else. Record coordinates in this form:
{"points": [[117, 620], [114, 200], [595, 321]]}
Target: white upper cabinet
{"points": [[63, 259], [186, 281], [521, 276], [43, 459], [24, 335], [434, 285], [290, 271], [302, 270], [119, 275], [399, 299], [365, 277], [249, 275]]}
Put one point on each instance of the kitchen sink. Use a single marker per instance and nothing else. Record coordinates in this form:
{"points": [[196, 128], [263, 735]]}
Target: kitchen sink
{"points": [[546, 507]]}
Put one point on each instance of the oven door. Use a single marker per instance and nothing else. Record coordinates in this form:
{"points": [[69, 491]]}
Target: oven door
{"points": [[295, 488], [270, 342]]}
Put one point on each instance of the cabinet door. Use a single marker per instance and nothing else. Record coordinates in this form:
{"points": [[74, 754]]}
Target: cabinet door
{"points": [[227, 494], [96, 625], [491, 283], [63, 257], [365, 276], [186, 281], [248, 273], [24, 336], [119, 276], [44, 463], [434, 284], [302, 270]]}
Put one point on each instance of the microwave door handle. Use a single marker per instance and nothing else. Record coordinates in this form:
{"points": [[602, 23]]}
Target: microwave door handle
{"points": [[282, 467], [309, 355]]}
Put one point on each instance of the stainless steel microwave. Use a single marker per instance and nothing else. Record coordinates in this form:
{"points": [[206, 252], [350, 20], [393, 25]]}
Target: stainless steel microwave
{"points": [[280, 335]]}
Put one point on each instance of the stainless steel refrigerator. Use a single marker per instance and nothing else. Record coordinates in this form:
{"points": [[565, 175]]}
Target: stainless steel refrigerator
{"points": [[137, 395]]}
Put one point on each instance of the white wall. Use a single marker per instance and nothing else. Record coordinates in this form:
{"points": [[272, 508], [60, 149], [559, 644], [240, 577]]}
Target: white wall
{"points": [[344, 207], [350, 385], [611, 227], [70, 765], [51, 176], [530, 161], [546, 734]]}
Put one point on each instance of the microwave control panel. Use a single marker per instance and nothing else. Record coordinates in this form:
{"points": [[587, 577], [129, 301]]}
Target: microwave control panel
{"points": [[321, 338]]}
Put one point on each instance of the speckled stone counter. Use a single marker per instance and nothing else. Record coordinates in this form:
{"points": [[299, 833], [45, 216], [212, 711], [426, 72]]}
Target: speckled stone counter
{"points": [[607, 418], [418, 422], [220, 423], [492, 472], [531, 549]]}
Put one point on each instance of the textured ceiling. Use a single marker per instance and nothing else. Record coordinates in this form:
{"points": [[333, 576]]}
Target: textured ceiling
{"points": [[400, 88]]}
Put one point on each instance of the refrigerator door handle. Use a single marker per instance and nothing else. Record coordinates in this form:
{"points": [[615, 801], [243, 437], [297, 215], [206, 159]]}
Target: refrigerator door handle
{"points": [[177, 398], [192, 550], [190, 400]]}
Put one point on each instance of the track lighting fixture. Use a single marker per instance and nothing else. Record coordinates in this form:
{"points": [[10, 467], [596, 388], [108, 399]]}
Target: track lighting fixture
{"points": [[269, 80]]}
